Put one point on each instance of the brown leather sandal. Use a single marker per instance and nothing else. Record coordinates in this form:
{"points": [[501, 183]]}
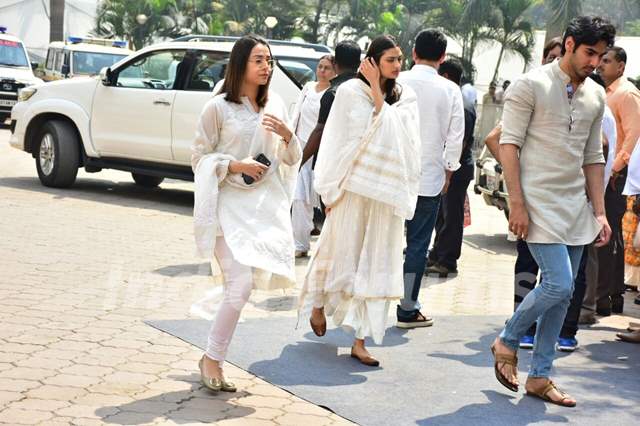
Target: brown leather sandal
{"points": [[318, 329], [366, 360], [504, 359], [544, 395]]}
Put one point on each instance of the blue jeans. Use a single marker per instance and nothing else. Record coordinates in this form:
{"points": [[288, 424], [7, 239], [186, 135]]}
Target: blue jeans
{"points": [[547, 303], [419, 230]]}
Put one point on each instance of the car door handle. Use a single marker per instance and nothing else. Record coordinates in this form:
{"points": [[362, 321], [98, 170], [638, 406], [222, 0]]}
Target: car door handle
{"points": [[161, 102]]}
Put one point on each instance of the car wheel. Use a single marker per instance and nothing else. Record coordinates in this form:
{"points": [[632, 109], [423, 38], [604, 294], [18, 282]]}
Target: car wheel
{"points": [[57, 154], [147, 181]]}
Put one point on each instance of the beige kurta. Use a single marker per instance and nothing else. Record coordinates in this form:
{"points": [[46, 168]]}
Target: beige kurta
{"points": [[556, 139], [367, 170], [254, 219]]}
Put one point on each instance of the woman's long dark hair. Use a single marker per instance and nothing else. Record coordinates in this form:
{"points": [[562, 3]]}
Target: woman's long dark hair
{"points": [[235, 70], [376, 49]]}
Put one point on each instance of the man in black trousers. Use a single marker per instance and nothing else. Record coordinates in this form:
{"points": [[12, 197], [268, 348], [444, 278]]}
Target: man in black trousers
{"points": [[443, 257]]}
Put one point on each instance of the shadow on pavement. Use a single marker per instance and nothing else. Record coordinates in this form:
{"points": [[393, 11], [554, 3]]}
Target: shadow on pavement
{"points": [[182, 407], [176, 201], [499, 410], [492, 244], [186, 270]]}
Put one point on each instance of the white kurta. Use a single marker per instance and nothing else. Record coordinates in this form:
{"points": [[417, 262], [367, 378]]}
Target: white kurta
{"points": [[305, 119], [368, 171], [254, 219]]}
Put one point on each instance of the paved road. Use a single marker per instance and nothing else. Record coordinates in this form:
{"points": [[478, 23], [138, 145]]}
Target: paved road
{"points": [[80, 269]]}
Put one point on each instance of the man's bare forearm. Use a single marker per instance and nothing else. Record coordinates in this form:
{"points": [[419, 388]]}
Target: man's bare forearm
{"points": [[511, 170], [492, 141], [313, 144], [594, 174]]}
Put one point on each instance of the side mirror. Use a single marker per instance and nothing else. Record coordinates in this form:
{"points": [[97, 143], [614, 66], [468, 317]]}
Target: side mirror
{"points": [[34, 65], [106, 76], [65, 70]]}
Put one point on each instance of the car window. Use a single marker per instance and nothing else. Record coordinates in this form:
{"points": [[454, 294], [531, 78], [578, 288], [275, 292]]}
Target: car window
{"points": [[90, 63], [299, 70], [12, 54], [50, 57], [59, 57], [157, 70], [208, 70]]}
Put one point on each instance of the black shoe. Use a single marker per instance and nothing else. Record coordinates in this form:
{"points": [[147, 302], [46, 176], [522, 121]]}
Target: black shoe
{"points": [[441, 270], [418, 320], [617, 304], [603, 307], [637, 300]]}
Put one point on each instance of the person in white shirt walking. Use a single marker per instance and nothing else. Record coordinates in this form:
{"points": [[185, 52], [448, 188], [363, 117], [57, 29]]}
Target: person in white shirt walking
{"points": [[441, 133]]}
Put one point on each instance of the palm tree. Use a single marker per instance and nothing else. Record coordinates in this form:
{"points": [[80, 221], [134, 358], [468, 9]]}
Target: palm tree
{"points": [[513, 32], [137, 21], [560, 13]]}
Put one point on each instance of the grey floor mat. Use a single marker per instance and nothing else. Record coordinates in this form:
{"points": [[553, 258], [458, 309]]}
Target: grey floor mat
{"points": [[441, 375]]}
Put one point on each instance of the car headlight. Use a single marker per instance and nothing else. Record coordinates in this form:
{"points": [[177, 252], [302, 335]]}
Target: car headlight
{"points": [[26, 93]]}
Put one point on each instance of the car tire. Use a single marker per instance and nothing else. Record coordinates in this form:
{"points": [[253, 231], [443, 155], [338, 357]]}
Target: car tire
{"points": [[57, 154], [147, 181]]}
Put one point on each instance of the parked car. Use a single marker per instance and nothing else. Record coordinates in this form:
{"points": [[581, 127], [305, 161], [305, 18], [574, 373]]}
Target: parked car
{"points": [[16, 72], [138, 116], [298, 59], [490, 182], [82, 56]]}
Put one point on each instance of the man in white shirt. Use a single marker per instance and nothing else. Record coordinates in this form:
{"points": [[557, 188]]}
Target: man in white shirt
{"points": [[441, 131]]}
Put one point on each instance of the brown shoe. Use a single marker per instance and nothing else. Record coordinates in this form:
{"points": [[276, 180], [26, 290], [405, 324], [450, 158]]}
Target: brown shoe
{"points": [[366, 360], [319, 329], [631, 337]]}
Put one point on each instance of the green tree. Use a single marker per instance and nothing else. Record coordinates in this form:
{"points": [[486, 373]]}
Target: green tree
{"points": [[560, 12], [512, 31], [133, 20]]}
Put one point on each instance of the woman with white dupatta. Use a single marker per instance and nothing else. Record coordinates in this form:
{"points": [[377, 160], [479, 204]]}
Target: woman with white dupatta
{"points": [[304, 121], [367, 175], [241, 207]]}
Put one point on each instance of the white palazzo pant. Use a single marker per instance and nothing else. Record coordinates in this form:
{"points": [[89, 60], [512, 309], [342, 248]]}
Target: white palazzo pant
{"points": [[238, 282]]}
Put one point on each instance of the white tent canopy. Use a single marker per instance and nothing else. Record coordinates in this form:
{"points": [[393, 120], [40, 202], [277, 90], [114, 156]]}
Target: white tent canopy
{"points": [[29, 20]]}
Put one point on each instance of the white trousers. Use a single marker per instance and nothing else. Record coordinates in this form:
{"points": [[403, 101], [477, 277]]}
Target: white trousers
{"points": [[238, 282], [302, 222]]}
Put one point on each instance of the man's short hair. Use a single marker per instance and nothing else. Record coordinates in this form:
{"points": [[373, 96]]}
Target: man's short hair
{"points": [[430, 44], [619, 53], [348, 55], [453, 69], [589, 30]]}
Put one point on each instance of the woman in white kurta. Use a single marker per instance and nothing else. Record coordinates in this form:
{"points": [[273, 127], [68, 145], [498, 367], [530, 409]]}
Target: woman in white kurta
{"points": [[241, 207], [367, 174], [305, 119]]}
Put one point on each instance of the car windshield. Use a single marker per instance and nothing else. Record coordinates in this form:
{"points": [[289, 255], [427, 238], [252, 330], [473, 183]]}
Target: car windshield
{"points": [[90, 63], [12, 54], [302, 69]]}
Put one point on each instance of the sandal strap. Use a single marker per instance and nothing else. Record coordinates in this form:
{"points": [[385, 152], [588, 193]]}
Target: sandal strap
{"points": [[507, 359], [552, 386]]}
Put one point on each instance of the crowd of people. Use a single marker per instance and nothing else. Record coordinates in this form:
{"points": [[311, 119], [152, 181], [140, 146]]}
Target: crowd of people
{"points": [[387, 155]]}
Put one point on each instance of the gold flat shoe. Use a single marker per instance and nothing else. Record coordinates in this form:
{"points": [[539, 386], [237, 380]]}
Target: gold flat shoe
{"points": [[210, 383], [227, 386]]}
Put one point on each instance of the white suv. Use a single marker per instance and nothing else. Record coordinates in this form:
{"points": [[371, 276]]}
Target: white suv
{"points": [[16, 72], [139, 115]]}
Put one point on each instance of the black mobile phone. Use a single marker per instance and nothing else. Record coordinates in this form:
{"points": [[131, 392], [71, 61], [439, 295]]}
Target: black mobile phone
{"points": [[260, 158]]}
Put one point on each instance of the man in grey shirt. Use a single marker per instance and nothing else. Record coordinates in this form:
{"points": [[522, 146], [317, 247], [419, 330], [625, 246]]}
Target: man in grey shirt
{"points": [[551, 148]]}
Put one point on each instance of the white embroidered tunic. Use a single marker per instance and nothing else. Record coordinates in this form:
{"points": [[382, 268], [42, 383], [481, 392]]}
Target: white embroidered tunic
{"points": [[254, 219]]}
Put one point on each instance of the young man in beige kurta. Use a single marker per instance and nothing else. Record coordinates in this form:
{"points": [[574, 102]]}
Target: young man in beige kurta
{"points": [[550, 148]]}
